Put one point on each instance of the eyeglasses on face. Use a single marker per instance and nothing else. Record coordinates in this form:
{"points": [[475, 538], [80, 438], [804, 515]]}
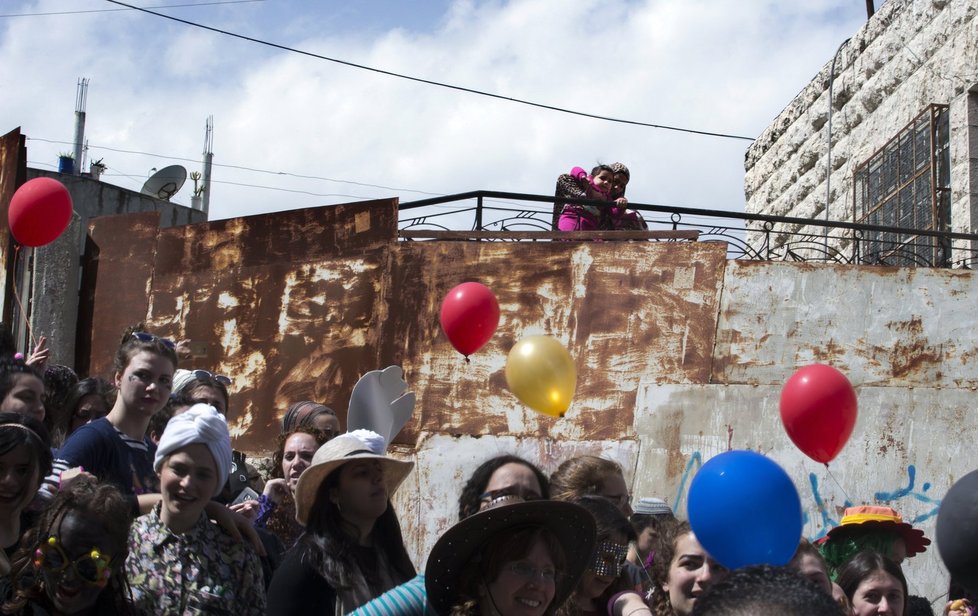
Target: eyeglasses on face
{"points": [[204, 375], [147, 337], [527, 572], [492, 496], [91, 567]]}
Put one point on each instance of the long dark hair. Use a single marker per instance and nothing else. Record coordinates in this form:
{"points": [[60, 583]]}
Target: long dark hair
{"points": [[469, 501], [332, 549], [100, 504], [92, 386], [865, 564]]}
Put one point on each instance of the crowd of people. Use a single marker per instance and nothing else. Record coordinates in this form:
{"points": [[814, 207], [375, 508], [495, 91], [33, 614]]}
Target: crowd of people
{"points": [[126, 497]]}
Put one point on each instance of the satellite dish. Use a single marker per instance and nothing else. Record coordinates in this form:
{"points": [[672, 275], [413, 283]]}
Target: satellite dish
{"points": [[165, 183]]}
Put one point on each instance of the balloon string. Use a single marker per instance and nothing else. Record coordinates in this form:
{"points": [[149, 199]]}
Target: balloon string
{"points": [[27, 321], [829, 471]]}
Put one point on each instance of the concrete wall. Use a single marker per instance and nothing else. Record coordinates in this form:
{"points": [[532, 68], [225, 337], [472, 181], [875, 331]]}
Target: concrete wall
{"points": [[910, 54], [53, 286], [680, 353]]}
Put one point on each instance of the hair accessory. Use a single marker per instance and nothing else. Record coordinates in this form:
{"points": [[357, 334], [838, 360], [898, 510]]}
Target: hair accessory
{"points": [[868, 518], [21, 426], [147, 337], [302, 413]]}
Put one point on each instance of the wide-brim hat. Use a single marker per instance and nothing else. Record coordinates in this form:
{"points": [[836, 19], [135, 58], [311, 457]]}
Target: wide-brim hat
{"points": [[869, 518], [341, 450], [572, 525]]}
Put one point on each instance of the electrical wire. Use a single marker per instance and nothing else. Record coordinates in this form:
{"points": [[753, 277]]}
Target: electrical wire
{"points": [[244, 168], [431, 82], [162, 6]]}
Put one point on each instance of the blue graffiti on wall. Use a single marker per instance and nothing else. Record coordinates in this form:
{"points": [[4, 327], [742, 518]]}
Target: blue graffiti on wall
{"points": [[827, 518]]}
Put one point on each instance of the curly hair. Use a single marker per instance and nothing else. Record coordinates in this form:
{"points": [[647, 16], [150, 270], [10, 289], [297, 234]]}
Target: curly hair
{"points": [[469, 500], [763, 589], [277, 457], [100, 504], [581, 476], [665, 551], [131, 344]]}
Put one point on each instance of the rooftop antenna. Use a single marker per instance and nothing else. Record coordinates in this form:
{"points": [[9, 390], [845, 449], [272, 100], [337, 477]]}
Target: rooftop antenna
{"points": [[208, 161], [81, 100]]}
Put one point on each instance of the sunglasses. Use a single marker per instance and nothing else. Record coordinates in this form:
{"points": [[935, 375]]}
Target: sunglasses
{"points": [[204, 375], [91, 567], [145, 337]]}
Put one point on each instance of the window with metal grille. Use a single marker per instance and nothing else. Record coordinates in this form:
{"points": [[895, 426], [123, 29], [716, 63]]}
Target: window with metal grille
{"points": [[906, 185]]}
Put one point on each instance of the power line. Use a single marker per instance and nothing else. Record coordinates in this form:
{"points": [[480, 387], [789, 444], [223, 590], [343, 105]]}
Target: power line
{"points": [[243, 168], [429, 81], [162, 6]]}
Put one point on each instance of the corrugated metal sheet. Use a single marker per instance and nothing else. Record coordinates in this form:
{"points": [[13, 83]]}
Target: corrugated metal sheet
{"points": [[680, 354]]}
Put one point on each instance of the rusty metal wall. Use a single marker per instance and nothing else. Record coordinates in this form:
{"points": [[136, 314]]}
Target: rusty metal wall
{"points": [[680, 353], [13, 172]]}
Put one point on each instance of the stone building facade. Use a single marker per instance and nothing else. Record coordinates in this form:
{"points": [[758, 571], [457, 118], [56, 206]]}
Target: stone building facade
{"points": [[911, 55]]}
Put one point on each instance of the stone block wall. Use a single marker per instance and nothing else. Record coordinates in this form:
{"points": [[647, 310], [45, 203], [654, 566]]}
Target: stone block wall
{"points": [[910, 54]]}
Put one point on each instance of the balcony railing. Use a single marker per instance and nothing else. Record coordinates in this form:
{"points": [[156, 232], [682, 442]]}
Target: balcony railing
{"points": [[487, 215]]}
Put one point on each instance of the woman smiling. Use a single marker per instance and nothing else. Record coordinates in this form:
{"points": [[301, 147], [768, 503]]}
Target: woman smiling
{"points": [[193, 459]]}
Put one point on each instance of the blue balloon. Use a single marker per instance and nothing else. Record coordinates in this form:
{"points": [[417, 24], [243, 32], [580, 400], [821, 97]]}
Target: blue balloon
{"points": [[744, 510]]}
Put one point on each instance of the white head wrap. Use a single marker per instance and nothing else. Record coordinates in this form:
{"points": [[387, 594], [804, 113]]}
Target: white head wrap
{"points": [[202, 424]]}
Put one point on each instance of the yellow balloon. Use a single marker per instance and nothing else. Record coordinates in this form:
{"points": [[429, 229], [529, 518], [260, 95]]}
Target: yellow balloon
{"points": [[541, 373]]}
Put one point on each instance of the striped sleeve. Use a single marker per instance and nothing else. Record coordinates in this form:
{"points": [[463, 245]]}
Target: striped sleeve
{"points": [[408, 599]]}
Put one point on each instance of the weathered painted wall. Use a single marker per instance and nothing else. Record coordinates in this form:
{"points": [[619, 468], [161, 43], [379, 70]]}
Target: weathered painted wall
{"points": [[910, 54], [680, 353]]}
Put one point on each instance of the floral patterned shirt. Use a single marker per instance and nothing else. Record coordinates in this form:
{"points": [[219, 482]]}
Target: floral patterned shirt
{"points": [[202, 571]]}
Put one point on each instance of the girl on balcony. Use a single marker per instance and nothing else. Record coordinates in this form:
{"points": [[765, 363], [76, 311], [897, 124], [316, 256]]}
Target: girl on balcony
{"points": [[579, 185]]}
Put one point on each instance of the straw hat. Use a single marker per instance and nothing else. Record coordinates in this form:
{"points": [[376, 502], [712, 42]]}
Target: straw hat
{"points": [[868, 518], [334, 454], [572, 525]]}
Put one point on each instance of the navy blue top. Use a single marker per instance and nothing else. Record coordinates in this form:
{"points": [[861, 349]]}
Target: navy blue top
{"points": [[105, 452]]}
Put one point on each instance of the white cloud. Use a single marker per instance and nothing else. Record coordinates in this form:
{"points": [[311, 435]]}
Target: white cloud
{"points": [[704, 64]]}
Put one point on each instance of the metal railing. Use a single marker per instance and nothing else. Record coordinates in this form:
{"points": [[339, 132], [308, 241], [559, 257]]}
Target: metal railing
{"points": [[526, 217]]}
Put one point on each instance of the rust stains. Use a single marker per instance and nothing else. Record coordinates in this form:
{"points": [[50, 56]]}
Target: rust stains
{"points": [[911, 352]]}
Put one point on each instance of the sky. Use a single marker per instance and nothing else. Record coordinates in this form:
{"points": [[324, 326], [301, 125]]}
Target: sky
{"points": [[294, 131]]}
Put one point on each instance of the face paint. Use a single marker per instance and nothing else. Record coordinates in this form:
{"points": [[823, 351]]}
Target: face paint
{"points": [[609, 558]]}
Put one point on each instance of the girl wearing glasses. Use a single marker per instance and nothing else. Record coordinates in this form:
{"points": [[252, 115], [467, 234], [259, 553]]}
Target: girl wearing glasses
{"points": [[72, 559], [115, 448], [519, 559]]}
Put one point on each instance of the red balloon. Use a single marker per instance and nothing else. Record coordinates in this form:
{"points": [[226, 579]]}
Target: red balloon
{"points": [[39, 211], [469, 316], [818, 410]]}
